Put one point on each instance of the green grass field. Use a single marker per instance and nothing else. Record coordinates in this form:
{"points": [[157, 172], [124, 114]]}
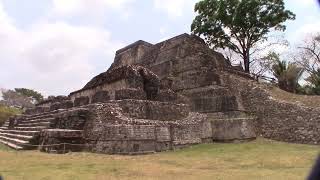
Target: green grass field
{"points": [[260, 159]]}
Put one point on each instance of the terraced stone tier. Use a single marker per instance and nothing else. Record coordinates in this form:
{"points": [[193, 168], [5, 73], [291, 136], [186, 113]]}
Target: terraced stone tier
{"points": [[23, 132], [154, 110]]}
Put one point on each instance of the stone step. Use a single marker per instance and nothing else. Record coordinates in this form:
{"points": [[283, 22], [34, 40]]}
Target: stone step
{"points": [[26, 133], [36, 120], [3, 128], [17, 136], [235, 118], [33, 124], [14, 140], [38, 117], [211, 90], [11, 145], [227, 115], [38, 114], [25, 128], [136, 153], [45, 114]]}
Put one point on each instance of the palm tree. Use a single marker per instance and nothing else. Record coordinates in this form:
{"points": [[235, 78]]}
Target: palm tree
{"points": [[287, 74]]}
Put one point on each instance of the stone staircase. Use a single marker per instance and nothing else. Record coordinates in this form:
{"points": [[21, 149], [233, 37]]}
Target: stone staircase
{"points": [[24, 131]]}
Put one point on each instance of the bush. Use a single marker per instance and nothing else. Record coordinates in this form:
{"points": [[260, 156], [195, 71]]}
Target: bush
{"points": [[6, 112]]}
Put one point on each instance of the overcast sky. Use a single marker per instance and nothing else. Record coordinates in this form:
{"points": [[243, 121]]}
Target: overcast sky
{"points": [[56, 46]]}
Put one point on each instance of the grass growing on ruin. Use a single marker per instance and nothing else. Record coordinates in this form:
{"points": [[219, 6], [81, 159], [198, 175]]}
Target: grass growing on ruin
{"points": [[261, 159], [306, 100]]}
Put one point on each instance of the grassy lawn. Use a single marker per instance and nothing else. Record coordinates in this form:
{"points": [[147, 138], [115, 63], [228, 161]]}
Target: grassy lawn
{"points": [[260, 159]]}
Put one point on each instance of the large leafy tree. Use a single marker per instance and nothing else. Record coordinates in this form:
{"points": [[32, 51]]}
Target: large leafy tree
{"points": [[20, 97], [239, 25], [12, 98], [30, 93]]}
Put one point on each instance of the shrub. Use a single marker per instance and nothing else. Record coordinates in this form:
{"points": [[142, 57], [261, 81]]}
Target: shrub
{"points": [[6, 112]]}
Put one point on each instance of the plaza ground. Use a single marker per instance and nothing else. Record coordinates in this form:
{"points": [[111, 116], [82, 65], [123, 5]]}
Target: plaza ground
{"points": [[259, 159]]}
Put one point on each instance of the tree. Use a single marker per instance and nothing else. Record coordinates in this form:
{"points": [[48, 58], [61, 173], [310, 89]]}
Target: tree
{"points": [[314, 82], [30, 93], [287, 74], [309, 53], [6, 112], [239, 25], [308, 56], [12, 98], [21, 97]]}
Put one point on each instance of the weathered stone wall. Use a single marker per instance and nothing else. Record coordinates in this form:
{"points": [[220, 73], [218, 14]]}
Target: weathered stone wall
{"points": [[179, 55], [278, 120], [67, 104], [121, 82], [61, 140], [73, 119], [110, 88], [52, 99], [154, 110], [132, 54], [116, 127], [185, 63], [233, 129]]}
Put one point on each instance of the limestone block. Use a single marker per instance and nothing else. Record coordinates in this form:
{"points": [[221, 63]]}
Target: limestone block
{"points": [[84, 100], [61, 140], [130, 94], [233, 129], [100, 96]]}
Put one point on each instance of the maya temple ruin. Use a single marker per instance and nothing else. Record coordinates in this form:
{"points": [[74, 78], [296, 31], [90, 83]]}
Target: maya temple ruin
{"points": [[160, 97]]}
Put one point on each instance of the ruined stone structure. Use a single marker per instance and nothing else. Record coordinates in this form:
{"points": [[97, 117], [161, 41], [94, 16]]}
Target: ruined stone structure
{"points": [[153, 98]]}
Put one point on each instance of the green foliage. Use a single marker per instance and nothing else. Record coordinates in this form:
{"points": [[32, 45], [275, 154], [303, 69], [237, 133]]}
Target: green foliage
{"points": [[239, 25], [314, 80], [30, 93], [21, 97], [12, 98], [6, 112], [287, 74]]}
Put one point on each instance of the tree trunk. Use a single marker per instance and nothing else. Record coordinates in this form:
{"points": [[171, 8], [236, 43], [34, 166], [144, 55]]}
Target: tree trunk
{"points": [[246, 61]]}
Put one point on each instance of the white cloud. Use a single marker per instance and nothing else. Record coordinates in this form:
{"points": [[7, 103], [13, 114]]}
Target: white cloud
{"points": [[174, 8], [54, 58], [90, 7]]}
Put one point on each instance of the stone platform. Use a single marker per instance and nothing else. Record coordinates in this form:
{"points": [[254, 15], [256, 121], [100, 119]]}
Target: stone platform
{"points": [[153, 98]]}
